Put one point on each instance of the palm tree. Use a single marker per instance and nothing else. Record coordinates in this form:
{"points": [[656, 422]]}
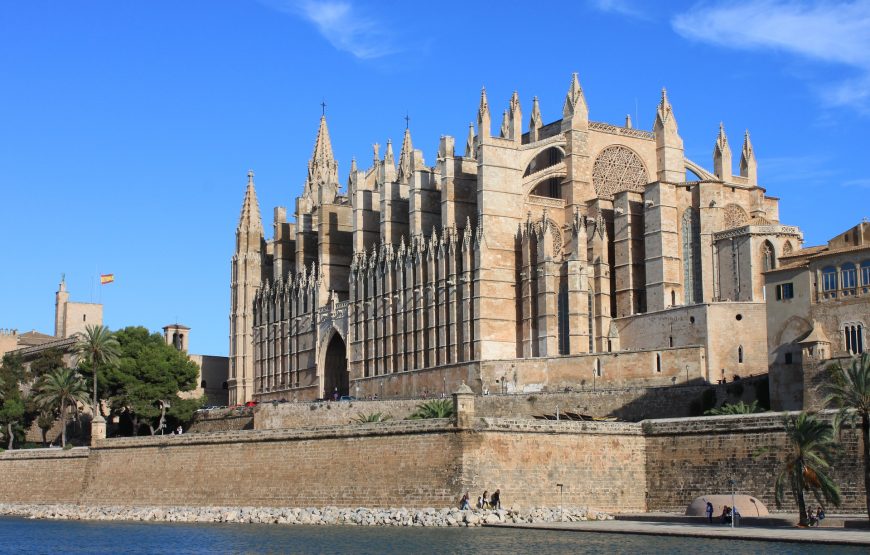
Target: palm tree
{"points": [[437, 408], [736, 408], [97, 347], [807, 462], [45, 421], [61, 386], [848, 390]]}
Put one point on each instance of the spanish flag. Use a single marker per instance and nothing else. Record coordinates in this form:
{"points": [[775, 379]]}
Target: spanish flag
{"points": [[106, 278]]}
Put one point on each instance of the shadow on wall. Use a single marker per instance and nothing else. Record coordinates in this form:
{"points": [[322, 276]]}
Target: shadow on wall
{"points": [[694, 399]]}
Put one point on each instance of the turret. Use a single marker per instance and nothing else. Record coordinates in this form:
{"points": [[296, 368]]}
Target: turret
{"points": [[246, 277], [61, 298], [669, 145], [722, 156], [748, 164]]}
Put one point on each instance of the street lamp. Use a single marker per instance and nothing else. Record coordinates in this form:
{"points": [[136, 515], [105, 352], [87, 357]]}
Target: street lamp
{"points": [[561, 487]]}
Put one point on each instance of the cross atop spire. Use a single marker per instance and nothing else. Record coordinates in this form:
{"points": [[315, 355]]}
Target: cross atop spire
{"points": [[322, 167], [407, 120], [323, 108]]}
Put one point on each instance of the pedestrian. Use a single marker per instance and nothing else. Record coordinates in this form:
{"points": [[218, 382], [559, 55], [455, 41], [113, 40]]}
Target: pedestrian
{"points": [[482, 502], [464, 505], [335, 395], [709, 512], [179, 430], [495, 501], [820, 515]]}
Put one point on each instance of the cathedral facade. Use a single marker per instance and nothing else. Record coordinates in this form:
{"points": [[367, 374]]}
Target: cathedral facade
{"points": [[568, 254]]}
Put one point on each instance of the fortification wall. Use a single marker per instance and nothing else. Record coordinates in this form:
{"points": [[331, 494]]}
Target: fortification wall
{"points": [[223, 420], [413, 464], [687, 458], [306, 415], [42, 475], [600, 464]]}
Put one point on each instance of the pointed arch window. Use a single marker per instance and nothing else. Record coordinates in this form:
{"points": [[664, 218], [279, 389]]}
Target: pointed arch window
{"points": [[692, 256], [740, 354], [658, 363], [598, 367]]}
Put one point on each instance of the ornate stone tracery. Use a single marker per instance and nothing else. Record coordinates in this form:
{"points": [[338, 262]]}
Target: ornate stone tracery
{"points": [[617, 169], [733, 216]]}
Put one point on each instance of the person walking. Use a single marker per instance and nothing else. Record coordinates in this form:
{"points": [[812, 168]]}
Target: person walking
{"points": [[482, 502], [709, 512], [464, 505], [495, 501]]}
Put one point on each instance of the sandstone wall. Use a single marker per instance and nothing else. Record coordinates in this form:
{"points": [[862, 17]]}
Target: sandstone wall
{"points": [[306, 415], [691, 457], [413, 464], [223, 420], [42, 475], [600, 464]]}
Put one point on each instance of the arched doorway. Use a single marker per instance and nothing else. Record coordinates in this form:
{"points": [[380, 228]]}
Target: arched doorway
{"points": [[335, 374]]}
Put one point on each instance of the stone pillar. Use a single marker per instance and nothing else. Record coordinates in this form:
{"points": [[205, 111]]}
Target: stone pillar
{"points": [[98, 427], [463, 406]]}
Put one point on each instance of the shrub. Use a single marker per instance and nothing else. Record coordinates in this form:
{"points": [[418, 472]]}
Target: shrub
{"points": [[371, 417], [437, 408]]}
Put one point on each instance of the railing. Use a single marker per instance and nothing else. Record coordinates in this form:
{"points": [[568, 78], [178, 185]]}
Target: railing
{"points": [[625, 131]]}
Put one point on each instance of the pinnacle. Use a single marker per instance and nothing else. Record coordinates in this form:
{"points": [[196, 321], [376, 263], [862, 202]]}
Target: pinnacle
{"points": [[322, 145], [249, 219], [405, 154], [469, 142], [574, 97], [484, 103]]}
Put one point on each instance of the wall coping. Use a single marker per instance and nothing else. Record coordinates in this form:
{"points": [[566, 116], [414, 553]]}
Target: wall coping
{"points": [[45, 453], [573, 427], [721, 424], [400, 427]]}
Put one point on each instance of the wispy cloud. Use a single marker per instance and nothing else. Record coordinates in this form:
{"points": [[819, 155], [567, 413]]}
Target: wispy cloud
{"points": [[619, 7], [346, 27], [860, 183], [831, 32]]}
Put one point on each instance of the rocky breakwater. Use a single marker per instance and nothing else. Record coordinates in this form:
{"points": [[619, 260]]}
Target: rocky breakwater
{"points": [[309, 516]]}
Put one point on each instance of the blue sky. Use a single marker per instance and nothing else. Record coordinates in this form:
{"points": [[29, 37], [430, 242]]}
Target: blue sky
{"points": [[127, 128]]}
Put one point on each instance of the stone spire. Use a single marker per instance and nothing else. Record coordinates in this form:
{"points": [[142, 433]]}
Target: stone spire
{"points": [[665, 112], [575, 101], [322, 182], [628, 121], [405, 157], [748, 163], [515, 131], [505, 126], [469, 142], [249, 219], [535, 122], [669, 144], [388, 155], [483, 119], [722, 156]]}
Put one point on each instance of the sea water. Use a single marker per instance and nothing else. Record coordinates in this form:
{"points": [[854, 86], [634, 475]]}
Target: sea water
{"points": [[24, 536]]}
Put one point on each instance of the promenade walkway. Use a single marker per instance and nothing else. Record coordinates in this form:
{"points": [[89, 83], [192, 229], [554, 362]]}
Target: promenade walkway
{"points": [[718, 531]]}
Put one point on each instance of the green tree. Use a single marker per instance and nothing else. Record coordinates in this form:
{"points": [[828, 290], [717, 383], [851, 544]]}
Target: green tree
{"points": [[437, 408], [848, 390], [61, 388], [807, 462], [13, 413], [736, 408], [47, 361], [45, 421], [97, 351], [144, 384]]}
